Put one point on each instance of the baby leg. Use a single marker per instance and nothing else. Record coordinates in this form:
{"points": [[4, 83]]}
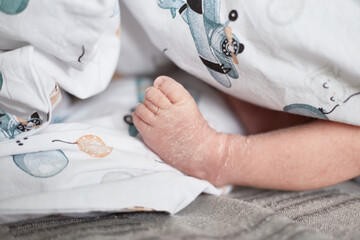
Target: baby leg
{"points": [[308, 156], [256, 119]]}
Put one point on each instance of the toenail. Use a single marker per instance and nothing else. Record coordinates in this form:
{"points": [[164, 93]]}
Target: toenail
{"points": [[148, 89], [158, 81]]}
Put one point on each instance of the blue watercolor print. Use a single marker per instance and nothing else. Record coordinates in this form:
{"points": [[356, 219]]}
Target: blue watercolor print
{"points": [[217, 51], [13, 6], [1, 79], [8, 126], [116, 10], [11, 126], [305, 110], [42, 164], [129, 120]]}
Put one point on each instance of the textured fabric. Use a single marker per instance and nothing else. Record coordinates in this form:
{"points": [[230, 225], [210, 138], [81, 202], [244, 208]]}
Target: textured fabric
{"points": [[254, 214]]}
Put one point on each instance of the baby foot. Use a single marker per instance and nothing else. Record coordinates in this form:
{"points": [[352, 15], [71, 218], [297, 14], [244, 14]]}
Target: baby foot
{"points": [[172, 126]]}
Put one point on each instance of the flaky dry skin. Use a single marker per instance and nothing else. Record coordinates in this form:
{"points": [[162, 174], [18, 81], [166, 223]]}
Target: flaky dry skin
{"points": [[172, 126], [307, 156]]}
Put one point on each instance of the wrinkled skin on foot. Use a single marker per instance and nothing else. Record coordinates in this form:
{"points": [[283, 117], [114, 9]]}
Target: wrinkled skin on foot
{"points": [[172, 126]]}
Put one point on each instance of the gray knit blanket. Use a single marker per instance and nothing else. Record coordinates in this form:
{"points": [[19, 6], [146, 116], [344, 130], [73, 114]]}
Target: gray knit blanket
{"points": [[246, 213]]}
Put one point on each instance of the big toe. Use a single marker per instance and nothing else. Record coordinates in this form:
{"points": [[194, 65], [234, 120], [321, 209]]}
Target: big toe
{"points": [[173, 90]]}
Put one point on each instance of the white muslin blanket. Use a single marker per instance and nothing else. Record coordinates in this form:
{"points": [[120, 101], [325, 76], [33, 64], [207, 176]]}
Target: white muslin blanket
{"points": [[95, 160], [90, 158], [46, 46], [300, 56]]}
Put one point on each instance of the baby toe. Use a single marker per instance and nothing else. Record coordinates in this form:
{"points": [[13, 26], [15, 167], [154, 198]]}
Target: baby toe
{"points": [[157, 98], [145, 114], [140, 125], [154, 109], [173, 90]]}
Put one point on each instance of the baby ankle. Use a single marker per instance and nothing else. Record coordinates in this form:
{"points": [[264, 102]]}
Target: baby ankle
{"points": [[231, 160], [221, 159]]}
